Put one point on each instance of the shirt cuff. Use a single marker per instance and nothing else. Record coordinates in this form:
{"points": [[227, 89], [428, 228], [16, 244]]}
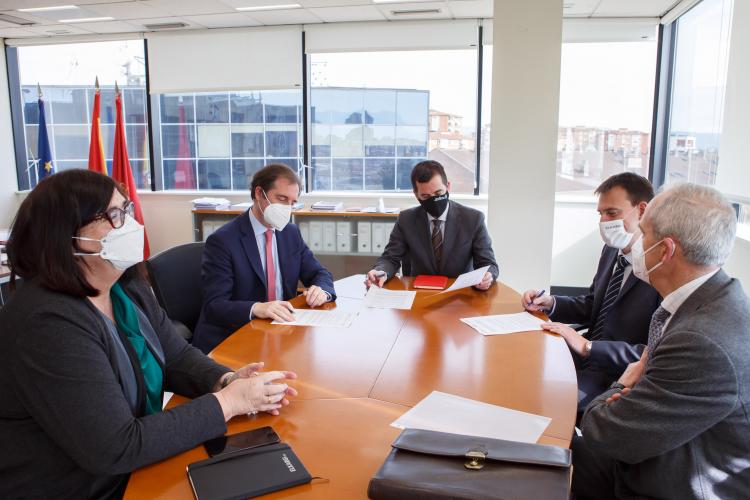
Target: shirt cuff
{"points": [[328, 296], [252, 307], [554, 304]]}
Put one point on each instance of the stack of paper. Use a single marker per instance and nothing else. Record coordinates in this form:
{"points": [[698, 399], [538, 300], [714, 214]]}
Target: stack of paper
{"points": [[504, 323], [382, 298], [456, 415], [327, 206], [211, 204]]}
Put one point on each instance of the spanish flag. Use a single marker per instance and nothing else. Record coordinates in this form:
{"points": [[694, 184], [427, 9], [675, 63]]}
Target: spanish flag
{"points": [[45, 167], [121, 171], [97, 163]]}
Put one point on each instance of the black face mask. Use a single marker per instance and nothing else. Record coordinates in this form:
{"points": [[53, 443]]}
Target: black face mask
{"points": [[435, 205]]}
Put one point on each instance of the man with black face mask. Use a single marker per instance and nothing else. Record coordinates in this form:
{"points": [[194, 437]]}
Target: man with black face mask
{"points": [[439, 237]]}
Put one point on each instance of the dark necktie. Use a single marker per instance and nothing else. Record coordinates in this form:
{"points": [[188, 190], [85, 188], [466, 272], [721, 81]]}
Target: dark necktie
{"points": [[613, 290], [437, 242], [656, 328]]}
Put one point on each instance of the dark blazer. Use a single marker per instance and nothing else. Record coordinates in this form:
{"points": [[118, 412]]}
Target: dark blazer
{"points": [[233, 277], [625, 332], [684, 429], [466, 244], [66, 426]]}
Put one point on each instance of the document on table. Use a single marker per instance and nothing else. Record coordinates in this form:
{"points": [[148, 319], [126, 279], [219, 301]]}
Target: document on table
{"points": [[500, 324], [352, 287], [313, 317], [456, 415], [467, 279], [382, 298]]}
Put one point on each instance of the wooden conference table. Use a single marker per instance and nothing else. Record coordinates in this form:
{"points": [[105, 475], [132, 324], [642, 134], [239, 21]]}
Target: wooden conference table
{"points": [[354, 382]]}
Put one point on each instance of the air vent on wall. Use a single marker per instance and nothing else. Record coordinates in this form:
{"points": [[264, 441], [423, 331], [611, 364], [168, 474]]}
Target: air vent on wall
{"points": [[15, 20], [414, 12], [164, 26]]}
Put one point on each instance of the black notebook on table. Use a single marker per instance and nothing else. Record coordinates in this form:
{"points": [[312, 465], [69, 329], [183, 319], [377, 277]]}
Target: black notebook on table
{"points": [[247, 474]]}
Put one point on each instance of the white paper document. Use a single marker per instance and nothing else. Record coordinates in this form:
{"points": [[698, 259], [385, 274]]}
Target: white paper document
{"points": [[467, 279], [313, 317], [352, 287], [456, 415], [382, 298], [500, 324]]}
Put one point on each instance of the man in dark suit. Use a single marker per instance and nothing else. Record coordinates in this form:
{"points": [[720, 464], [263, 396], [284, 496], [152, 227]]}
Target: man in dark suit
{"points": [[676, 424], [439, 237], [238, 282], [618, 308]]}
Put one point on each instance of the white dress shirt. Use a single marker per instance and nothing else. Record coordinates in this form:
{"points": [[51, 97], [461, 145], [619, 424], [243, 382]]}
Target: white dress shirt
{"points": [[674, 300], [443, 217], [260, 238]]}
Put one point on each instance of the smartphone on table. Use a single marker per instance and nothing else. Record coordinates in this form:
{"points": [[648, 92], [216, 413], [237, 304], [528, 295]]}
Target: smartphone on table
{"points": [[241, 441]]}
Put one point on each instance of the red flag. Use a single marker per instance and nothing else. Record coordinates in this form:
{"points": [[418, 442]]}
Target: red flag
{"points": [[96, 148], [121, 171], [183, 172]]}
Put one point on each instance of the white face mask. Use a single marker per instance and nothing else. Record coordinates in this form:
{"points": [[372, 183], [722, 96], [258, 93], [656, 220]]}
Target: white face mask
{"points": [[639, 260], [277, 215], [122, 247], [614, 234]]}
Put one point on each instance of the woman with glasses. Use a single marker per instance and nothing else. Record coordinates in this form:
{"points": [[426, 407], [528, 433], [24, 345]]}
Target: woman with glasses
{"points": [[86, 353]]}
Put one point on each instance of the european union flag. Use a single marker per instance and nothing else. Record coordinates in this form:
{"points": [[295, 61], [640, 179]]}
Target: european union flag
{"points": [[44, 167]]}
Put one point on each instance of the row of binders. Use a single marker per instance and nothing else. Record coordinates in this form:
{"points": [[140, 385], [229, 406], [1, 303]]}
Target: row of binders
{"points": [[346, 236]]}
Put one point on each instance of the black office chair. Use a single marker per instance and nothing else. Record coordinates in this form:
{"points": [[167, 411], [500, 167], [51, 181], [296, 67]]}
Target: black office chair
{"points": [[176, 279]]}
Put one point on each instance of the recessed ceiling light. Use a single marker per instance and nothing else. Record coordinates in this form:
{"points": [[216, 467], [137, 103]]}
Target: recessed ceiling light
{"points": [[283, 6], [87, 19], [48, 9]]}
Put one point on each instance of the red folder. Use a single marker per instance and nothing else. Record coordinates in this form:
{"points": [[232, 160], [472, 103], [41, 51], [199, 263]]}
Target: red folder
{"points": [[430, 282]]}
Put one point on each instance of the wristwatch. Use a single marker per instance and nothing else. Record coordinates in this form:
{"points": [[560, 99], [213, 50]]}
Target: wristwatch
{"points": [[588, 346]]}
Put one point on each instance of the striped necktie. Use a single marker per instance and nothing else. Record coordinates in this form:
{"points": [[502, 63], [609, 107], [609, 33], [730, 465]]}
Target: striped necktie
{"points": [[437, 242], [656, 328], [613, 290]]}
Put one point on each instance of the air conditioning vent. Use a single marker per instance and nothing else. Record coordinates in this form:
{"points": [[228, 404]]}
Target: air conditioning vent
{"points": [[414, 12], [16, 20], [164, 26]]}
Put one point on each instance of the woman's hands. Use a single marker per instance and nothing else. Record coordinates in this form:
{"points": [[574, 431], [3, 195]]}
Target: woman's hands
{"points": [[249, 391]]}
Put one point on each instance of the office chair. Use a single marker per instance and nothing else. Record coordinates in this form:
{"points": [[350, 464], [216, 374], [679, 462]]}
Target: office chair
{"points": [[175, 276]]}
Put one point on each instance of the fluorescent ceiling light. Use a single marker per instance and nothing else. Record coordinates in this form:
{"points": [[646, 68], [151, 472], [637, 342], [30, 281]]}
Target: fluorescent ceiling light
{"points": [[87, 19], [400, 1], [271, 7], [48, 9]]}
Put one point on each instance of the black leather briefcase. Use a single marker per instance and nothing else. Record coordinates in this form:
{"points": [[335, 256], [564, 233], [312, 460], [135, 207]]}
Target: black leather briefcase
{"points": [[428, 464]]}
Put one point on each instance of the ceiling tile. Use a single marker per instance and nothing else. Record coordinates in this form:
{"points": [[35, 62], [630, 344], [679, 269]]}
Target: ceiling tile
{"points": [[471, 8], [28, 4], [323, 3], [58, 29], [288, 16], [579, 8], [189, 7], [388, 8], [109, 27], [16, 33], [634, 8], [344, 14], [233, 20], [128, 10]]}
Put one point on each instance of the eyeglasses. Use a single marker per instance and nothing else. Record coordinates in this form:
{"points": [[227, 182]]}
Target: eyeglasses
{"points": [[116, 215]]}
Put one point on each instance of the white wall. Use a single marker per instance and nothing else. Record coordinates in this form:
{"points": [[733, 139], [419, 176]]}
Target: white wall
{"points": [[8, 178], [527, 40]]}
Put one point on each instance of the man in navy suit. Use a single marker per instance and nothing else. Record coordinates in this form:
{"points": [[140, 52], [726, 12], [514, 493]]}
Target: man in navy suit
{"points": [[618, 308], [238, 282]]}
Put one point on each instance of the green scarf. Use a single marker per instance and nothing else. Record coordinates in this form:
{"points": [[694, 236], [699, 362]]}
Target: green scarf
{"points": [[126, 318]]}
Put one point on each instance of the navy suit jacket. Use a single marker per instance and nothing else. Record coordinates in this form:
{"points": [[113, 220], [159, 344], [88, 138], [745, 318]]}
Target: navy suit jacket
{"points": [[625, 331], [233, 277]]}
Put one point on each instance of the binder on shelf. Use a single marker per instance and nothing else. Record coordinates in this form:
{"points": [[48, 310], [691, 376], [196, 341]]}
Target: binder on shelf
{"points": [[304, 229], [329, 236], [316, 236], [344, 237], [364, 235], [378, 240]]}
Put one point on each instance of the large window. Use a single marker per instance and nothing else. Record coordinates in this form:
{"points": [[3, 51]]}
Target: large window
{"points": [[219, 140], [699, 82], [66, 74], [606, 108], [374, 115]]}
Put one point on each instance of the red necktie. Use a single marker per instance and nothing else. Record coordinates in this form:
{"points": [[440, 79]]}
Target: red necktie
{"points": [[270, 267]]}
